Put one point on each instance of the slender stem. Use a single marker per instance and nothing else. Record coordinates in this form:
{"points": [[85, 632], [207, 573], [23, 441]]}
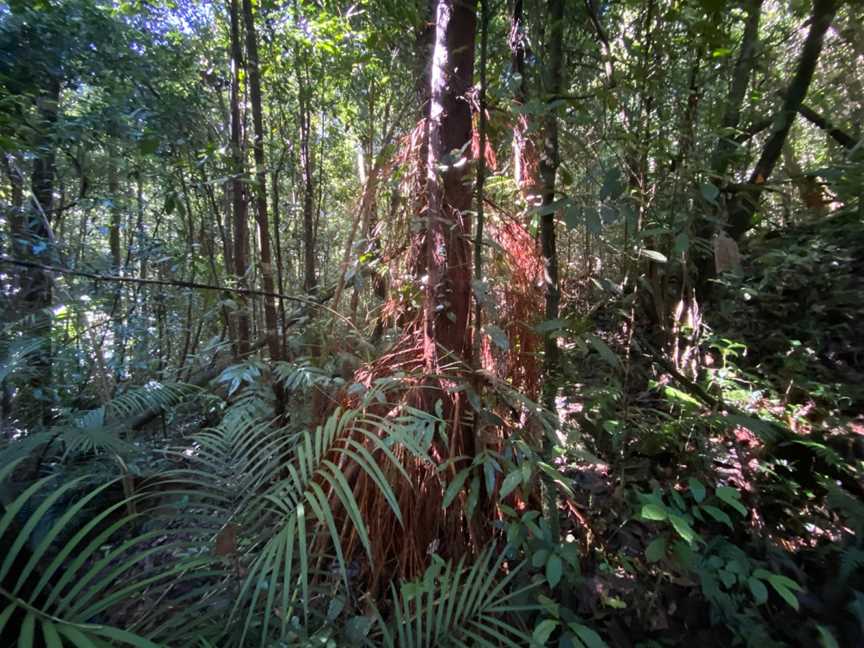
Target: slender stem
{"points": [[481, 177]]}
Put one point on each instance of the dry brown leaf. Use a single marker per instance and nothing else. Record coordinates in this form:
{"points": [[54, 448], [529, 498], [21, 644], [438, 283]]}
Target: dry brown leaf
{"points": [[226, 541]]}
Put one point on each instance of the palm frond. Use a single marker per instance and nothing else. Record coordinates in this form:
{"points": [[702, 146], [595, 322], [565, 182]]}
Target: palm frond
{"points": [[311, 504], [299, 375], [458, 605], [65, 575]]}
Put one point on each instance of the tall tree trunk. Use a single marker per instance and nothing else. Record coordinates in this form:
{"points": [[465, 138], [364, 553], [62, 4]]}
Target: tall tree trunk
{"points": [[549, 163], [746, 202], [448, 254], [277, 241], [252, 68], [116, 212], [525, 154], [36, 287], [481, 178], [726, 144], [16, 213], [424, 46], [118, 327], [238, 198], [301, 68]]}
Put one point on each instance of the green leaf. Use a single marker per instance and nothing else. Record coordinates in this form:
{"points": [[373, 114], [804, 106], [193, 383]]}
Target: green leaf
{"points": [[542, 632], [782, 585], [25, 634], [682, 242], [683, 398], [826, 639], [124, 636], [709, 192], [510, 482], [587, 636], [454, 487], [656, 512], [473, 496], [656, 549], [718, 515], [731, 497], [682, 526], [758, 590], [4, 616], [73, 634], [539, 558], [654, 255], [697, 489], [554, 570], [357, 629], [52, 638], [551, 325], [334, 608], [603, 349], [573, 217], [786, 593]]}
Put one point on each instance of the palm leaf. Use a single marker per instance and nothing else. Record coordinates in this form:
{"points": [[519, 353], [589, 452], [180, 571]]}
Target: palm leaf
{"points": [[55, 601], [466, 607]]}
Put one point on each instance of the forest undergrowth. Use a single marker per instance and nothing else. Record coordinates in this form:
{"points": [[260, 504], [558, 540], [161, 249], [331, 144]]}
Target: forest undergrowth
{"points": [[721, 507], [431, 323]]}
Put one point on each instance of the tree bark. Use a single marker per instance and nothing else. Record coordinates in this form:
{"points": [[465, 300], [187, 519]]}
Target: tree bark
{"points": [[745, 203], [740, 79], [481, 177], [549, 163], [526, 153], [424, 45], [252, 67], [448, 253], [238, 197], [301, 68], [36, 286]]}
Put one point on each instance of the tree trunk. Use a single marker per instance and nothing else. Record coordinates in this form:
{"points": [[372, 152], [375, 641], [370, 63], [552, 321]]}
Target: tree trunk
{"points": [[424, 45], [525, 154], [116, 212], [306, 163], [740, 78], [448, 254], [745, 203], [481, 179], [238, 198], [271, 333], [549, 163], [36, 286]]}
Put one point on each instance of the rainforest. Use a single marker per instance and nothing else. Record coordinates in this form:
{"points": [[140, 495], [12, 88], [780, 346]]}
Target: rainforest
{"points": [[427, 323]]}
